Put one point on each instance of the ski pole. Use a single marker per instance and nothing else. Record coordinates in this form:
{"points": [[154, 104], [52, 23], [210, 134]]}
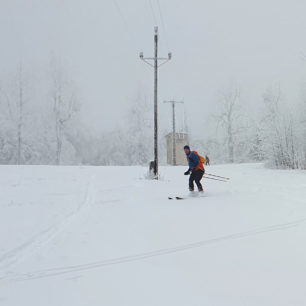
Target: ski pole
{"points": [[211, 178], [225, 178]]}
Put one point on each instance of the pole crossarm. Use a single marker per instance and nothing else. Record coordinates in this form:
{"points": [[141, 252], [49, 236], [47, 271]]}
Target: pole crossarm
{"points": [[165, 61], [147, 59], [159, 58], [172, 101]]}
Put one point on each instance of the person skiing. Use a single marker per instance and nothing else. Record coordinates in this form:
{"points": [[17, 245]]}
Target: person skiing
{"points": [[196, 168], [207, 160]]}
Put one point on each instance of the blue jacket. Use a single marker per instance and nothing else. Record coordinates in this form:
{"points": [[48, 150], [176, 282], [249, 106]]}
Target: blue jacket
{"points": [[193, 160]]}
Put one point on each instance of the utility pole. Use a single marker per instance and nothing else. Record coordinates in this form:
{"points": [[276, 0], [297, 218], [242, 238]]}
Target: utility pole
{"points": [[173, 130], [156, 65]]}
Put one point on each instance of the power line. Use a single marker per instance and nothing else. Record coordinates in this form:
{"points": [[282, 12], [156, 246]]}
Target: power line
{"points": [[126, 25], [153, 14], [163, 23]]}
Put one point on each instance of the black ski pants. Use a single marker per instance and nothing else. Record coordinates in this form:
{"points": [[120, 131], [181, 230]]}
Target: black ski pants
{"points": [[196, 176]]}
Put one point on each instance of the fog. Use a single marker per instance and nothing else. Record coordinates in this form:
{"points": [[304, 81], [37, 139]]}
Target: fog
{"points": [[215, 45]]}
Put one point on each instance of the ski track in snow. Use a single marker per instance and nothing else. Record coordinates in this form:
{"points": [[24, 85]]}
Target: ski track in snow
{"points": [[39, 241], [161, 252], [241, 245]]}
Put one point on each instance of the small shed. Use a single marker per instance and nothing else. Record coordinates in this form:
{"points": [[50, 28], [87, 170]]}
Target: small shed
{"points": [[181, 139]]}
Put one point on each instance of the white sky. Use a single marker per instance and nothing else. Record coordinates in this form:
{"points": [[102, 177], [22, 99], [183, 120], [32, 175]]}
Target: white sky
{"points": [[214, 44]]}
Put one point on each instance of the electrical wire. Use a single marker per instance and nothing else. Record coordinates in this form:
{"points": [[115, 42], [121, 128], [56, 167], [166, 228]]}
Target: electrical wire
{"points": [[153, 14], [163, 24], [126, 25]]}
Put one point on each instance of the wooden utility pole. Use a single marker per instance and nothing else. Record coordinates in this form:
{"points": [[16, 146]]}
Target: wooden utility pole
{"points": [[156, 65], [155, 103], [173, 130]]}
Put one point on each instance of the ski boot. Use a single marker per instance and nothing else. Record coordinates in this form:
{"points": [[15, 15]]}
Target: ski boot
{"points": [[201, 190]]}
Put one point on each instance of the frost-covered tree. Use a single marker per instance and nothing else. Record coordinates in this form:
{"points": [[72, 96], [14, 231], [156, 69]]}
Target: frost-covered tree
{"points": [[229, 119], [20, 106], [12, 101], [301, 131], [279, 131], [271, 123], [256, 145], [64, 106], [139, 131], [7, 143], [28, 121]]}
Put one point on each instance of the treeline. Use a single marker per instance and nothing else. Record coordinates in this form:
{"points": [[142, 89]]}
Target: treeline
{"points": [[41, 123], [274, 131]]}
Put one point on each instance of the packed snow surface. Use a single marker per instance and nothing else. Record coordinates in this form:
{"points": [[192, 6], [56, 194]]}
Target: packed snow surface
{"points": [[92, 236]]}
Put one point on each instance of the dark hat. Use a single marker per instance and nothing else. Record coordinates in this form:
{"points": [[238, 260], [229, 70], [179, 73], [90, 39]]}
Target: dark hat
{"points": [[187, 147]]}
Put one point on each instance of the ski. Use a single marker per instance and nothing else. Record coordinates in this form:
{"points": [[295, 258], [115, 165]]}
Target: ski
{"points": [[176, 198], [186, 197]]}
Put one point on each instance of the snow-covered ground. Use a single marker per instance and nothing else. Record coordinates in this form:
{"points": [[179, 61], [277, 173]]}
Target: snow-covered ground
{"points": [[92, 236]]}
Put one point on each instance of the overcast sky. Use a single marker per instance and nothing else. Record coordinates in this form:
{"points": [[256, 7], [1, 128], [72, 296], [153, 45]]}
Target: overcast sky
{"points": [[214, 43]]}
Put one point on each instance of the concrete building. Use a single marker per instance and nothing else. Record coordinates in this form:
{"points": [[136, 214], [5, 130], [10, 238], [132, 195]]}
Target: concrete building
{"points": [[181, 140]]}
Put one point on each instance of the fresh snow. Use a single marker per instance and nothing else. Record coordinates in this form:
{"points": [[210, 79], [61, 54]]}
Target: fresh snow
{"points": [[108, 236]]}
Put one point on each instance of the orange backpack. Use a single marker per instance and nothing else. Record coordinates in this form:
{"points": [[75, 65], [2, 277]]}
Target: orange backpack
{"points": [[201, 158]]}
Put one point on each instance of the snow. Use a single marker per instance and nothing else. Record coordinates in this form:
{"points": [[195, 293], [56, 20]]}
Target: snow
{"points": [[77, 236]]}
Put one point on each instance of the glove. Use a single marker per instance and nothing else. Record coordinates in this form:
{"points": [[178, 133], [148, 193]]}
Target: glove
{"points": [[187, 172]]}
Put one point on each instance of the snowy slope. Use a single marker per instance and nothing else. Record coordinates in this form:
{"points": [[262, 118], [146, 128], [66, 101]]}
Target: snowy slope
{"points": [[76, 236]]}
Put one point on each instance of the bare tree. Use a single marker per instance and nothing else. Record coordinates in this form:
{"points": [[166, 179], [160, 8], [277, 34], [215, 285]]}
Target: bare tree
{"points": [[139, 130], [12, 111], [302, 127], [228, 117], [64, 107], [279, 131], [20, 106]]}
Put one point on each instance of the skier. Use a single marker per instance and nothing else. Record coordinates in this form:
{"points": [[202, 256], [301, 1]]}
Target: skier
{"points": [[196, 168], [207, 160]]}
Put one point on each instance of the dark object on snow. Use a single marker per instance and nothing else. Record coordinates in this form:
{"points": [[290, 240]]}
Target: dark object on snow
{"points": [[151, 167], [187, 197], [177, 198], [207, 160]]}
